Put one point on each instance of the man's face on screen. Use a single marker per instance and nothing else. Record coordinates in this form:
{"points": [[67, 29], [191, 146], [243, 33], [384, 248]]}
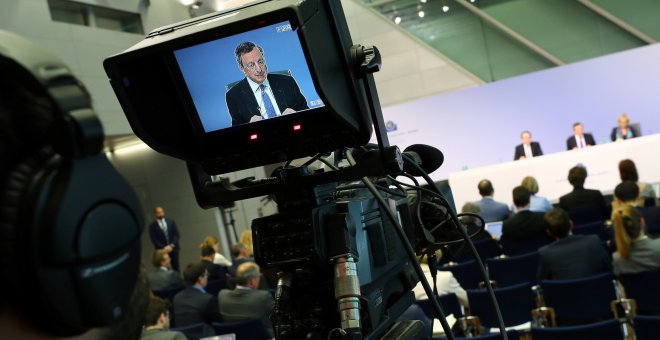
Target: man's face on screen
{"points": [[254, 66]]}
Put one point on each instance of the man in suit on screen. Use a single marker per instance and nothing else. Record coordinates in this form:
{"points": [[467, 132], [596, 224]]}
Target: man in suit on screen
{"points": [[261, 95], [579, 139], [527, 149]]}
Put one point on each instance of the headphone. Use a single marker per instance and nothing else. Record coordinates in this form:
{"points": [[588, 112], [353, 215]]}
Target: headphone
{"points": [[70, 224]]}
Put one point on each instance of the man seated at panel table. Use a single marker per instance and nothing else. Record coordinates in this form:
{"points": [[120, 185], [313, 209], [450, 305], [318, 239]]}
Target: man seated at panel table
{"points": [[570, 256], [579, 139], [525, 224], [581, 199], [491, 210], [527, 149]]}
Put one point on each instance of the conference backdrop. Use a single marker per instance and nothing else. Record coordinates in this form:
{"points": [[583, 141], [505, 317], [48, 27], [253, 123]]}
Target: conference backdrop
{"points": [[481, 126]]}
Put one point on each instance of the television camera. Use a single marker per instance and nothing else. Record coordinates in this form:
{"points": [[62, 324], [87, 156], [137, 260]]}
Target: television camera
{"points": [[339, 241]]}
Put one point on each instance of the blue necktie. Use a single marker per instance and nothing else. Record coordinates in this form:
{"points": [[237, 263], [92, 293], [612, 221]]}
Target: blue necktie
{"points": [[270, 110]]}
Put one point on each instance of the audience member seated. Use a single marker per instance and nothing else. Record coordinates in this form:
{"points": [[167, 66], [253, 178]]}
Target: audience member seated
{"points": [[218, 258], [527, 149], [193, 304], [246, 240], [628, 172], [157, 322], [581, 198], [445, 282], [579, 139], [570, 256], [246, 301], [624, 130], [536, 203], [635, 252], [525, 224], [625, 193], [216, 272], [491, 210], [163, 277], [240, 254]]}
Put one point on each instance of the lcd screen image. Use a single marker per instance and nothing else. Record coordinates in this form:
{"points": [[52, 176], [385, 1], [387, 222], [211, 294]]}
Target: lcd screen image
{"points": [[251, 76]]}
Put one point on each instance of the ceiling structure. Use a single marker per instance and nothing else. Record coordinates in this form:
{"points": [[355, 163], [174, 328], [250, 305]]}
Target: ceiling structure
{"points": [[498, 39]]}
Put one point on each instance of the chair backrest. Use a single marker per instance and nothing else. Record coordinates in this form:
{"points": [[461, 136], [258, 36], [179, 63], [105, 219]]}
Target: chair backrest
{"points": [[486, 247], [602, 330], [516, 303], [513, 270], [252, 329], [580, 300], [519, 247], [282, 72], [215, 286], [643, 287], [449, 303], [196, 331], [586, 214], [466, 273], [652, 219], [597, 228], [168, 294], [647, 327]]}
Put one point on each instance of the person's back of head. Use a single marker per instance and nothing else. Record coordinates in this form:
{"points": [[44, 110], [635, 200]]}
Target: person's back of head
{"points": [[193, 272], [237, 249], [521, 196], [207, 252], [246, 240], [485, 188], [628, 226], [576, 176], [156, 309], [531, 184], [626, 192], [245, 272], [628, 171], [559, 224]]}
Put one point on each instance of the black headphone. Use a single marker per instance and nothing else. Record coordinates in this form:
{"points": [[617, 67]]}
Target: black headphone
{"points": [[70, 224]]}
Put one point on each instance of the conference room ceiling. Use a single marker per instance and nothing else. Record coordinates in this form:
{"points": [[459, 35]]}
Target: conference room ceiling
{"points": [[498, 39]]}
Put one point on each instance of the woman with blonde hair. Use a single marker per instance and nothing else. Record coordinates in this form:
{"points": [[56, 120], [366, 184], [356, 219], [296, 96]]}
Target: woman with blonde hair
{"points": [[536, 203], [635, 252], [246, 239], [218, 258], [623, 131]]}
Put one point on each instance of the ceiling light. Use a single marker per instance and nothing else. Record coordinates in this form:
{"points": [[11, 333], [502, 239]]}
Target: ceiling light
{"points": [[445, 8], [397, 20], [421, 14]]}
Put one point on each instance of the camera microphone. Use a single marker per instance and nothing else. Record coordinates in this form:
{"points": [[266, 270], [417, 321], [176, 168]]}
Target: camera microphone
{"points": [[426, 156]]}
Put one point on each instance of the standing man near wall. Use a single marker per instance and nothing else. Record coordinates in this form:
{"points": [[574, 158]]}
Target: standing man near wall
{"points": [[164, 234]]}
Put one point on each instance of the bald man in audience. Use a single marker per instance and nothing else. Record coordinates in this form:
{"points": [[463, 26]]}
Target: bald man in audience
{"points": [[491, 210], [246, 301], [570, 256]]}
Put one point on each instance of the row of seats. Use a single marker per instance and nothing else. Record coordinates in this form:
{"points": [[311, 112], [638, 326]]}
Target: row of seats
{"points": [[244, 330]]}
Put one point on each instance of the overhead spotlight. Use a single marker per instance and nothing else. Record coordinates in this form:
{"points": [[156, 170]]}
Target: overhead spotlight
{"points": [[187, 2], [422, 1], [397, 20], [445, 8], [421, 14], [473, 1]]}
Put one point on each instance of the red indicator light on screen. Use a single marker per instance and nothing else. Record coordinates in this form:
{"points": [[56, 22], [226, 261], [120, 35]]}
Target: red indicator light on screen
{"points": [[297, 127], [254, 137]]}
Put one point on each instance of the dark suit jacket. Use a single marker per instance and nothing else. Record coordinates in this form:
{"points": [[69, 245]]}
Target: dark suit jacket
{"points": [[216, 271], [571, 143], [242, 104], [616, 129], [524, 225], [244, 304], [158, 236], [573, 257], [536, 150], [164, 279], [192, 307], [581, 198]]}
